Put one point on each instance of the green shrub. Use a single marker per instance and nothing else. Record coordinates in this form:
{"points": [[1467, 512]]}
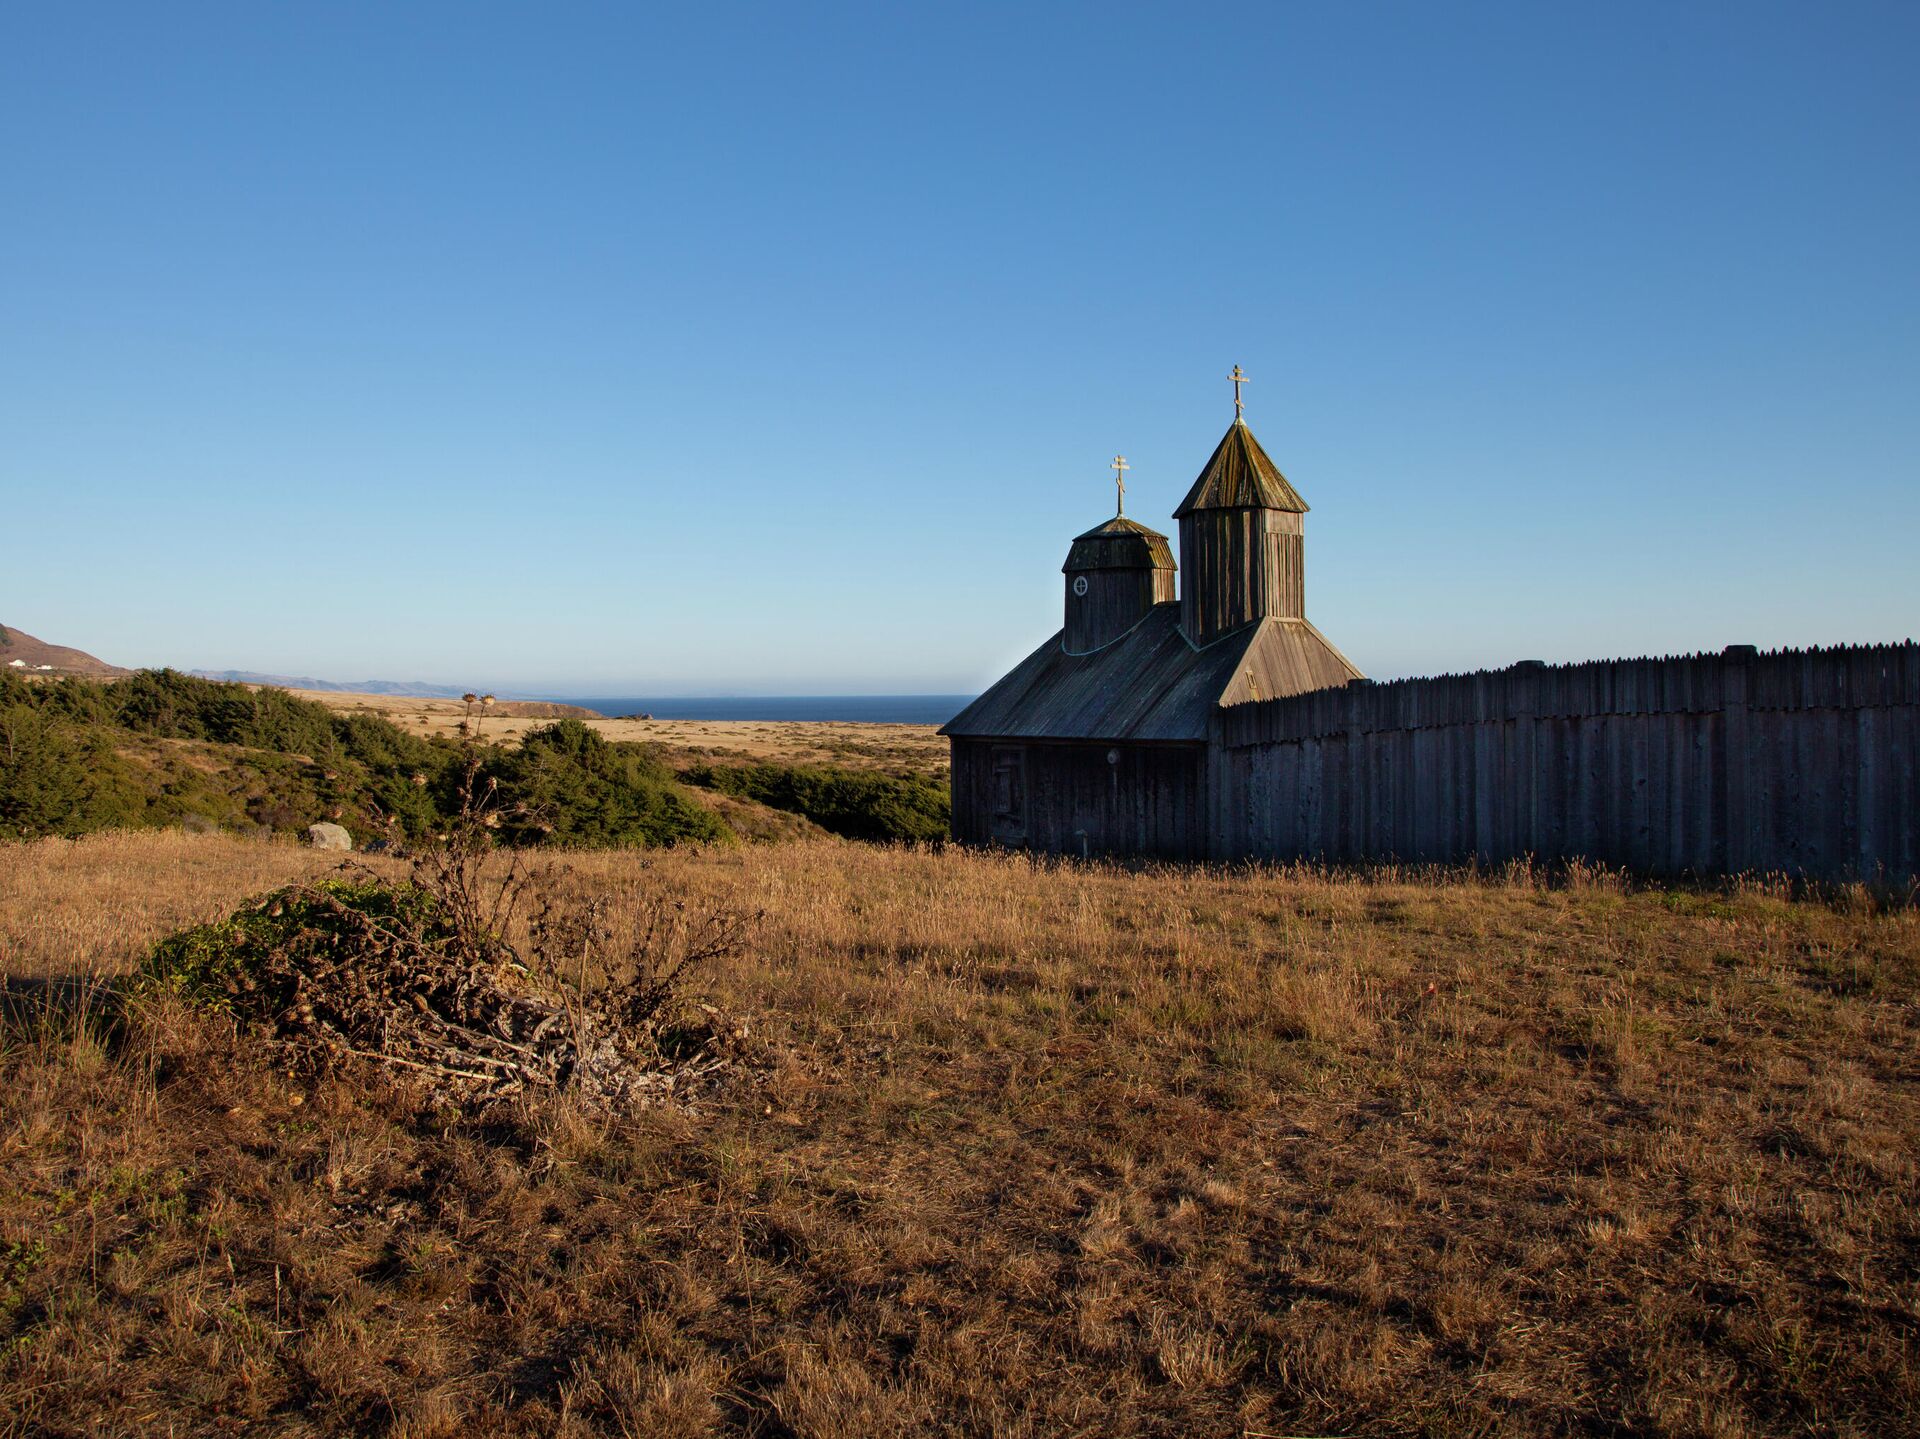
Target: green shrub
{"points": [[568, 785], [81, 701], [858, 804], [388, 764], [47, 773], [215, 965], [177, 706]]}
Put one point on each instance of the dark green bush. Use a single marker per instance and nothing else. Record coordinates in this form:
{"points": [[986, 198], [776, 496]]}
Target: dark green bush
{"points": [[215, 964], [171, 705], [568, 785], [399, 769], [858, 804], [82, 701], [46, 774]]}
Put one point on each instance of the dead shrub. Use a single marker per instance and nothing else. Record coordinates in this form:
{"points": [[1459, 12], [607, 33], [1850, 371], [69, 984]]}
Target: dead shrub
{"points": [[421, 976]]}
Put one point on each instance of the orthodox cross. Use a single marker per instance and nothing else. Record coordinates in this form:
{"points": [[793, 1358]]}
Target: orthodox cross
{"points": [[1120, 468], [1238, 380]]}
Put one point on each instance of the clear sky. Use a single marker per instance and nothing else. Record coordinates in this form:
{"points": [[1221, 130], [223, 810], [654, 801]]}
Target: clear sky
{"points": [[782, 348]]}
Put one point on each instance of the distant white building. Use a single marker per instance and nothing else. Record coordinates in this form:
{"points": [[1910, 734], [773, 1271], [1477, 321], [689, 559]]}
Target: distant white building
{"points": [[17, 664]]}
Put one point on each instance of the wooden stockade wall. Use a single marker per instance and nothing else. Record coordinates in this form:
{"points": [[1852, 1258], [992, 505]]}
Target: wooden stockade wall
{"points": [[1805, 762], [1079, 798]]}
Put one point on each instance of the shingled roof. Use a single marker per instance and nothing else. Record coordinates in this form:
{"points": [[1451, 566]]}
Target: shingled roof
{"points": [[1120, 544], [1240, 476], [1151, 683]]}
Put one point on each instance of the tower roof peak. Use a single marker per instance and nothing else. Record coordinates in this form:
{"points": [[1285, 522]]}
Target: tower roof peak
{"points": [[1120, 544], [1239, 476], [1120, 525]]}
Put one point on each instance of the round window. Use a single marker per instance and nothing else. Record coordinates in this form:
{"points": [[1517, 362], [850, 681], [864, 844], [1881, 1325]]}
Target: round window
{"points": [[1079, 584]]}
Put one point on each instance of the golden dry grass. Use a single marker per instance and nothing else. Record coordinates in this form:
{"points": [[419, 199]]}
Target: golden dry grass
{"points": [[1040, 1150], [94, 905], [894, 746]]}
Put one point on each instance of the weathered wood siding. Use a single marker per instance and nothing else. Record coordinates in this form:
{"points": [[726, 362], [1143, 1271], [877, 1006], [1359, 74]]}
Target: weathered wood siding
{"points": [[1073, 798], [1241, 566], [1115, 601], [1806, 762]]}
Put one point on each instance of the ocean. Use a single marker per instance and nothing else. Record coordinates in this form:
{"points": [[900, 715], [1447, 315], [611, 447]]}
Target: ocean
{"points": [[867, 709]]}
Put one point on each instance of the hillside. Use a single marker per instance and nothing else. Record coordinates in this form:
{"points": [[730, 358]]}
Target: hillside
{"points": [[21, 651], [161, 748], [157, 748]]}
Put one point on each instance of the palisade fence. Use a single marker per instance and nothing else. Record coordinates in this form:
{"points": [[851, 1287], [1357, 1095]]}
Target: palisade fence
{"points": [[1805, 762]]}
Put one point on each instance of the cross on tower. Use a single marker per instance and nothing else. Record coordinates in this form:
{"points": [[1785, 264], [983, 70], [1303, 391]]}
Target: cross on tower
{"points": [[1120, 468], [1238, 380]]}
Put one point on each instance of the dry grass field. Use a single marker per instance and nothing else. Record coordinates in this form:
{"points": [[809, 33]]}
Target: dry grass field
{"points": [[891, 746], [1036, 1150]]}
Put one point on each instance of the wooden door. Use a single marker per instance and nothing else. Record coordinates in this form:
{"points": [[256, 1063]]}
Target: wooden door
{"points": [[1008, 823]]}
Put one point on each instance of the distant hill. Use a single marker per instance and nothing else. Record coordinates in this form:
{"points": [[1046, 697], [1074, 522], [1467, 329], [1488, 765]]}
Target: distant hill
{"points": [[402, 688], [22, 653]]}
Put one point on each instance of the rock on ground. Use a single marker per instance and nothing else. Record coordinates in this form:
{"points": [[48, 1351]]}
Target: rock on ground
{"points": [[328, 836]]}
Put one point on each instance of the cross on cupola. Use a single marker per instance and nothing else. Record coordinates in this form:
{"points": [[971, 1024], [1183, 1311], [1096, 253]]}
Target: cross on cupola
{"points": [[1239, 410], [1120, 468]]}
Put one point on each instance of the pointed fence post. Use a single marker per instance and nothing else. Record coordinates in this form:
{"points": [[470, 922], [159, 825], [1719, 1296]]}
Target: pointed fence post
{"points": [[1524, 769], [1735, 763]]}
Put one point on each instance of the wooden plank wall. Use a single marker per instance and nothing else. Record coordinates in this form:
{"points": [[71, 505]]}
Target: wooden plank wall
{"points": [[1115, 601], [1241, 565], [972, 788], [1801, 761], [1149, 800]]}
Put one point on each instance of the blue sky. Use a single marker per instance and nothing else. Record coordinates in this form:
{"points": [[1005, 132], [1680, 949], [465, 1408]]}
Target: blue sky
{"points": [[781, 349]]}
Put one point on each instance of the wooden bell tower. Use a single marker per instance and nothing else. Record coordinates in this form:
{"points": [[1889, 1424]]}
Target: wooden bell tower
{"points": [[1242, 538]]}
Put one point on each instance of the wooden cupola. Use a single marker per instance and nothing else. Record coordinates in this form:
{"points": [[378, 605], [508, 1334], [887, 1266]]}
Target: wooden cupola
{"points": [[1241, 538], [1116, 573]]}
